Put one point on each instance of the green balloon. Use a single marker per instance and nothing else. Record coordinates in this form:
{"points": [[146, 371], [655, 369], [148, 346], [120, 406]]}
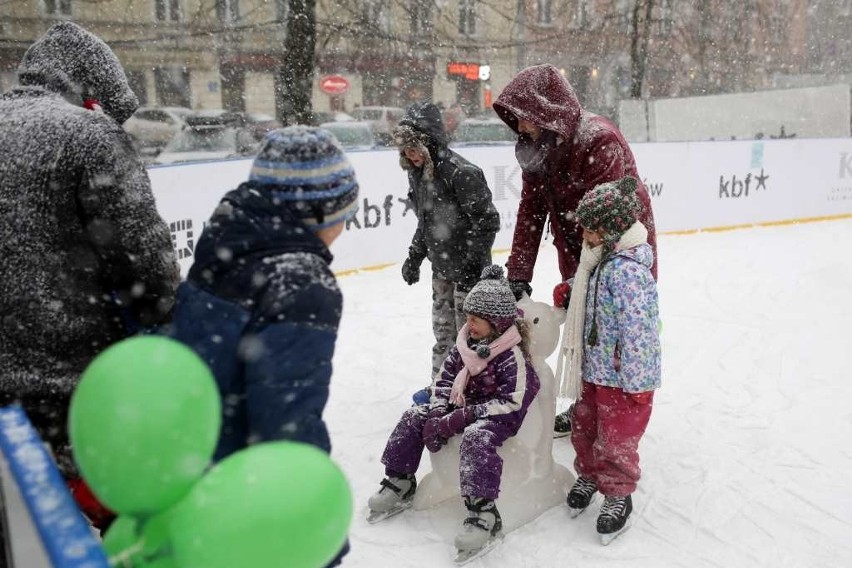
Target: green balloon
{"points": [[144, 422], [277, 504]]}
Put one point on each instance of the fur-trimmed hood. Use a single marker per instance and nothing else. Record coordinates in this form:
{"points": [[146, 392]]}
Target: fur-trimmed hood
{"points": [[422, 128]]}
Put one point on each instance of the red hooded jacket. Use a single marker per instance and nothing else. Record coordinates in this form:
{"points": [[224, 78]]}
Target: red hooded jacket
{"points": [[589, 150]]}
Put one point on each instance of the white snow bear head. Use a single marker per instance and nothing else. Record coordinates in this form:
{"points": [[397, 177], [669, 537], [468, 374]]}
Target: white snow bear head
{"points": [[544, 323]]}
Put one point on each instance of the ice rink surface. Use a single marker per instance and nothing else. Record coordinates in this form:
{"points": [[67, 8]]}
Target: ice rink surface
{"points": [[747, 459]]}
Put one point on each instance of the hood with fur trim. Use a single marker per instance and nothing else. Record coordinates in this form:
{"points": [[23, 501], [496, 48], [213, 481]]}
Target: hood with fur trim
{"points": [[422, 128]]}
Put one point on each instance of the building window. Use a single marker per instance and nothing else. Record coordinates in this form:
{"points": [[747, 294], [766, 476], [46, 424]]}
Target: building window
{"points": [[138, 84], [665, 21], [421, 17], [282, 10], [544, 12], [228, 10], [467, 17], [57, 7], [172, 85], [374, 15], [581, 15], [167, 10]]}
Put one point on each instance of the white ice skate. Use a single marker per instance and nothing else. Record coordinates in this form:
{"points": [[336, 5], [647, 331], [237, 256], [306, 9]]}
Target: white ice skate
{"points": [[395, 496], [482, 530]]}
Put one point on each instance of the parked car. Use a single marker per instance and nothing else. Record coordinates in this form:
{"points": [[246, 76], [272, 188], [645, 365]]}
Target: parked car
{"points": [[261, 123], [382, 118], [151, 128], [323, 116], [352, 135], [211, 135], [483, 132]]}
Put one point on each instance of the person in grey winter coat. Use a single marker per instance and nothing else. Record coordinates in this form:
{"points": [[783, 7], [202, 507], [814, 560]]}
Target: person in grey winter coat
{"points": [[84, 252], [456, 220]]}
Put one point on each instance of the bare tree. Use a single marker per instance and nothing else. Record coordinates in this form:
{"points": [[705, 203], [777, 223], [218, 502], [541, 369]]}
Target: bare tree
{"points": [[640, 35], [294, 81]]}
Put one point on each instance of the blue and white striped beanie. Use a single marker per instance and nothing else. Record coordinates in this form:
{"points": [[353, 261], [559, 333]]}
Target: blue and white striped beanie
{"points": [[307, 171]]}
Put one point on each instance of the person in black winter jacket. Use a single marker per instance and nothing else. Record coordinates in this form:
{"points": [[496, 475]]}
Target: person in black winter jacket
{"points": [[83, 250], [456, 220]]}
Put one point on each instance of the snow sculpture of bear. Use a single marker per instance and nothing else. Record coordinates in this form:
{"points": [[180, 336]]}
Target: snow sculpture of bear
{"points": [[532, 482]]}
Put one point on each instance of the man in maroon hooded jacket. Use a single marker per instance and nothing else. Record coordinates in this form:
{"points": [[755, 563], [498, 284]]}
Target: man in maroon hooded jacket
{"points": [[564, 151]]}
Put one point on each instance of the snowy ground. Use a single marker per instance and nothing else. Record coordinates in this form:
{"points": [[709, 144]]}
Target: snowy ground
{"points": [[747, 461]]}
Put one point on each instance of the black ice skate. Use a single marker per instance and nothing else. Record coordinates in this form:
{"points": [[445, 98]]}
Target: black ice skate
{"points": [[613, 519], [562, 423], [395, 496], [581, 495], [482, 529]]}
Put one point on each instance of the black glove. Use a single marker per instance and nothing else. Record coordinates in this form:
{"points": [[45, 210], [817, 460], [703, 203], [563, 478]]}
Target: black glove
{"points": [[518, 288], [411, 271], [467, 281]]}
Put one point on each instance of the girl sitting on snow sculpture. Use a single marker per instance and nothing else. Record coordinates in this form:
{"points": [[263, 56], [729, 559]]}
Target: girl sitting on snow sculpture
{"points": [[482, 393]]}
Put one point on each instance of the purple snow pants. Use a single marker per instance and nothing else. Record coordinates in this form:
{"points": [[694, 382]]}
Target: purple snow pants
{"points": [[480, 465]]}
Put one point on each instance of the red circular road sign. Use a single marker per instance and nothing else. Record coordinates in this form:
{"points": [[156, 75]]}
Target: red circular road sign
{"points": [[334, 85]]}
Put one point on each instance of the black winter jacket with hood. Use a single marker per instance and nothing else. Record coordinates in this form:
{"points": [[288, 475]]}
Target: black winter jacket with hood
{"points": [[456, 218], [78, 224]]}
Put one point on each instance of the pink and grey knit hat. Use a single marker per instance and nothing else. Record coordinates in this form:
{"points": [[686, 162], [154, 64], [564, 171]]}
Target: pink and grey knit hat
{"points": [[492, 299], [610, 208]]}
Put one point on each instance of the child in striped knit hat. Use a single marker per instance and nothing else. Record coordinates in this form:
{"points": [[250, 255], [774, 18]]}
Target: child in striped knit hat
{"points": [[481, 394], [260, 304], [610, 356]]}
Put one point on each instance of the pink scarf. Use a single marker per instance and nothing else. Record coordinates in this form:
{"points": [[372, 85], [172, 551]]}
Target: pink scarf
{"points": [[473, 363]]}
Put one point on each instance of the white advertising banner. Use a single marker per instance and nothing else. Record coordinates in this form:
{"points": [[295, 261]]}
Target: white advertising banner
{"points": [[693, 186]]}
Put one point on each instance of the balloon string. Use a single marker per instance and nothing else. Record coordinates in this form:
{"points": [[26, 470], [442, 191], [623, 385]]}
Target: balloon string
{"points": [[123, 559]]}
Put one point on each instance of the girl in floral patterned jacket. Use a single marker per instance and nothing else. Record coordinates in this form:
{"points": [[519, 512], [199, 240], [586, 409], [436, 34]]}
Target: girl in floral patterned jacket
{"points": [[612, 343]]}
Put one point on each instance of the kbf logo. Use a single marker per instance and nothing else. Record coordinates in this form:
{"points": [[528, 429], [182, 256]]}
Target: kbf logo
{"points": [[845, 164], [182, 238], [735, 187]]}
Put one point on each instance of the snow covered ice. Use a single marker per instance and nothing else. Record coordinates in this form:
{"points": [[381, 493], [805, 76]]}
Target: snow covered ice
{"points": [[746, 461]]}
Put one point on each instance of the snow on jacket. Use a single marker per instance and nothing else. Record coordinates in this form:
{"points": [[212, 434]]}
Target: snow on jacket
{"points": [[589, 150], [627, 354], [78, 222], [503, 391], [261, 306], [456, 218]]}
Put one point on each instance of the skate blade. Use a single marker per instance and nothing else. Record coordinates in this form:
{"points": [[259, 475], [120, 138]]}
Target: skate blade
{"points": [[465, 556], [608, 538], [576, 512], [374, 517]]}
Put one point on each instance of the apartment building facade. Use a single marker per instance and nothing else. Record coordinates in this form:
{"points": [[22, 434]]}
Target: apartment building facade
{"points": [[225, 53]]}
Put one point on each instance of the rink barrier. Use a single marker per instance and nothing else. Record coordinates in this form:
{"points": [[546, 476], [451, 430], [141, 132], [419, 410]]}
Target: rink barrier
{"points": [[30, 473], [670, 233], [694, 186]]}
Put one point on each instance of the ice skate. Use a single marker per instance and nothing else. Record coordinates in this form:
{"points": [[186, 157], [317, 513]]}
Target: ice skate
{"points": [[395, 496], [562, 423], [482, 530], [581, 495], [614, 518]]}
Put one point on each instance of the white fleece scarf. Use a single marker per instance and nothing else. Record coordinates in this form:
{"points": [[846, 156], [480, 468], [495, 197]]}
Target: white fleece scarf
{"points": [[569, 365], [473, 363]]}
